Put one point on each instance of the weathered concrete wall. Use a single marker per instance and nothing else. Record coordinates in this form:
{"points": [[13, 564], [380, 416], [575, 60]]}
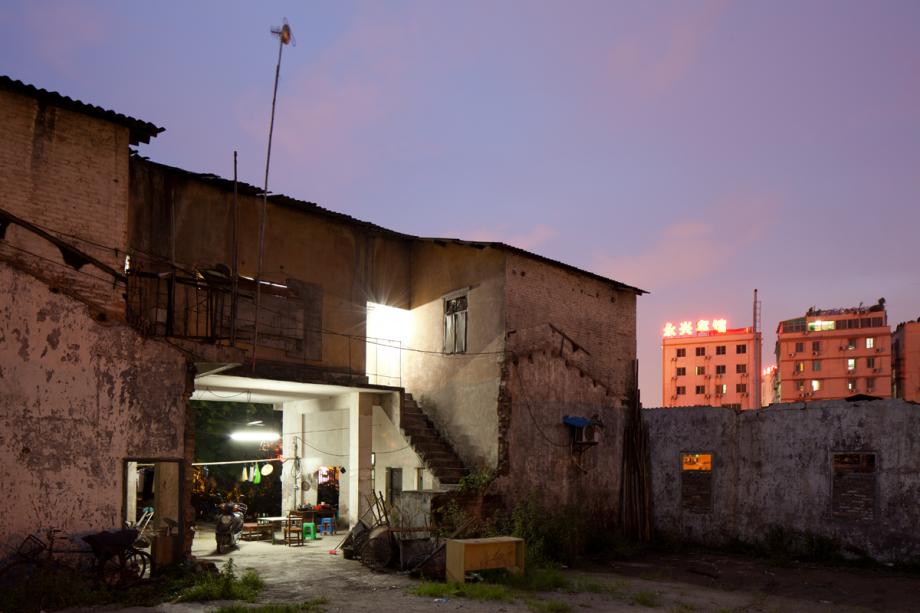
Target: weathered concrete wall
{"points": [[459, 392], [77, 398], [67, 173], [351, 262], [541, 388], [772, 467]]}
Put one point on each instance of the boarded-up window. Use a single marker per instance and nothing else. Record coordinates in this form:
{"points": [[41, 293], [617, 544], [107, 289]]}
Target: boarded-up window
{"points": [[854, 485], [696, 481]]}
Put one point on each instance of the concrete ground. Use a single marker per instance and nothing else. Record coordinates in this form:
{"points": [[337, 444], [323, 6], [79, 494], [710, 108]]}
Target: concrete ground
{"points": [[298, 574]]}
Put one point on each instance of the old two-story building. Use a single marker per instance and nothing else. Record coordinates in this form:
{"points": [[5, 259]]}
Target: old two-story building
{"points": [[402, 362]]}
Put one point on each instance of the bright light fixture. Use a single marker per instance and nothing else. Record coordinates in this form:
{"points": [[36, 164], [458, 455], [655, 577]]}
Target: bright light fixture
{"points": [[254, 435]]}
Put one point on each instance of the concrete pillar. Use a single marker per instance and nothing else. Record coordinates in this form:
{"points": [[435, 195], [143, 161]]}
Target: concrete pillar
{"points": [[360, 440]]}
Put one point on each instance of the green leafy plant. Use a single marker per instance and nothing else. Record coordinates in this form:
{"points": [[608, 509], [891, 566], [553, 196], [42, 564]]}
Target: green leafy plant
{"points": [[225, 586]]}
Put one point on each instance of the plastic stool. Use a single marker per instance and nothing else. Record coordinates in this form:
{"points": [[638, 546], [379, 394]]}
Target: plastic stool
{"points": [[326, 526], [311, 528]]}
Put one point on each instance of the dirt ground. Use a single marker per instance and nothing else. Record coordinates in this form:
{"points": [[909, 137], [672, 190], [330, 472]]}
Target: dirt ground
{"points": [[666, 582]]}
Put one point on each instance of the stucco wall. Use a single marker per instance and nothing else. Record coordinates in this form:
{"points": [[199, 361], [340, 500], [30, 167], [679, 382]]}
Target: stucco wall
{"points": [[772, 467], [459, 392], [352, 263], [76, 399], [67, 173]]}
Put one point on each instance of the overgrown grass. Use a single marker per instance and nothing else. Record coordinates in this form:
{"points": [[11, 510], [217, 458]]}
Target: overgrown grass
{"points": [[224, 586], [315, 605], [549, 606]]}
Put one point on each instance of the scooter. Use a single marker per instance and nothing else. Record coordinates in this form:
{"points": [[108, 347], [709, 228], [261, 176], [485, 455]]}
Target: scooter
{"points": [[229, 525]]}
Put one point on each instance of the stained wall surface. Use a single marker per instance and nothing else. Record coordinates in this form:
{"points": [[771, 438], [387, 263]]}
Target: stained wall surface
{"points": [[772, 468], [182, 217], [68, 174], [459, 392], [77, 398]]}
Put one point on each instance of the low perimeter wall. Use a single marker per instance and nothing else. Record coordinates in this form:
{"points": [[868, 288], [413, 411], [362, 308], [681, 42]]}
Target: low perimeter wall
{"points": [[847, 471]]}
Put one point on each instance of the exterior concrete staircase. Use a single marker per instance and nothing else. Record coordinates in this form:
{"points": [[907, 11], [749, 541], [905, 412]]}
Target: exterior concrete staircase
{"points": [[435, 451]]}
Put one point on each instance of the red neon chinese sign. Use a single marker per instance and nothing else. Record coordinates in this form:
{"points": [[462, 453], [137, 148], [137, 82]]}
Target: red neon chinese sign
{"points": [[687, 328]]}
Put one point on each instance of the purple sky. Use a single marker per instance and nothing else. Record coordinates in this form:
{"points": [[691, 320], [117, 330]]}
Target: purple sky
{"points": [[695, 149]]}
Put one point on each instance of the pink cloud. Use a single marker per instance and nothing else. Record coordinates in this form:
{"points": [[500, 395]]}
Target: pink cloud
{"points": [[61, 29], [694, 248], [656, 58]]}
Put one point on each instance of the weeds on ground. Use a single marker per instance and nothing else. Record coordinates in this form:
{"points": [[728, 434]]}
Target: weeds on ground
{"points": [[473, 591], [683, 607], [646, 598], [548, 606], [315, 605], [224, 586]]}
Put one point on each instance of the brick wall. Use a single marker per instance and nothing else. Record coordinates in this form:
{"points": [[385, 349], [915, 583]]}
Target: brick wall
{"points": [[67, 173], [597, 316]]}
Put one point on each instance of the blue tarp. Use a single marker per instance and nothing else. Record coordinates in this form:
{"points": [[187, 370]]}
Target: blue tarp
{"points": [[580, 422]]}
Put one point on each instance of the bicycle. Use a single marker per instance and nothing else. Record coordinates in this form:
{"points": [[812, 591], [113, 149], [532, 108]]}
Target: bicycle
{"points": [[116, 562]]}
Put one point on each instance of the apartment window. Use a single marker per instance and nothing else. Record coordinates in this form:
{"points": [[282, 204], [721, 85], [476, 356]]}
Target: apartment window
{"points": [[870, 384], [740, 369], [700, 351], [681, 352], [816, 365], [681, 390], [681, 371], [851, 343], [701, 370], [816, 385], [870, 362], [851, 385], [851, 364], [696, 481], [854, 485], [720, 369], [815, 346], [741, 388], [455, 325], [700, 389], [720, 349], [800, 367], [800, 386], [870, 342], [740, 348], [800, 347], [722, 388]]}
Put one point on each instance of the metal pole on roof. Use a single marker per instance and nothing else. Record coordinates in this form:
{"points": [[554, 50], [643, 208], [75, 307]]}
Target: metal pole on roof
{"points": [[235, 270], [284, 37]]}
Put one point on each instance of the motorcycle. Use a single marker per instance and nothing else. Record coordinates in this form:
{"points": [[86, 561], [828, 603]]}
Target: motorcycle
{"points": [[229, 525]]}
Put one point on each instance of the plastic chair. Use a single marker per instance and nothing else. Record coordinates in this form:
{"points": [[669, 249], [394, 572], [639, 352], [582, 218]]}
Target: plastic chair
{"points": [[311, 528], [327, 526]]}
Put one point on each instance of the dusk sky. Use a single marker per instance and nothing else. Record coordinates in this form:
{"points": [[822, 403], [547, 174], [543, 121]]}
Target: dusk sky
{"points": [[695, 149]]}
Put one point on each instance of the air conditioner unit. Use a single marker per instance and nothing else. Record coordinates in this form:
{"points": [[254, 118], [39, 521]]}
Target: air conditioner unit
{"points": [[707, 395], [709, 376], [791, 355], [674, 377], [674, 359], [814, 353], [879, 349], [876, 369], [842, 348]]}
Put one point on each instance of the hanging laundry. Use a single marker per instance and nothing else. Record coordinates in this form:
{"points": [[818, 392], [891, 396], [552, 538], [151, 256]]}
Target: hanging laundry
{"points": [[245, 476], [256, 475]]}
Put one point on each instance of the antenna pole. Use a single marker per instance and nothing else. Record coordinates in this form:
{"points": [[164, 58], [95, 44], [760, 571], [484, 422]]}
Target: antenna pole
{"points": [[283, 38], [235, 268], [758, 342]]}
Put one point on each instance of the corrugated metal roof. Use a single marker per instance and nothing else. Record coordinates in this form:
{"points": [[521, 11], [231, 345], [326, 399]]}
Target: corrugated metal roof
{"points": [[139, 131]]}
